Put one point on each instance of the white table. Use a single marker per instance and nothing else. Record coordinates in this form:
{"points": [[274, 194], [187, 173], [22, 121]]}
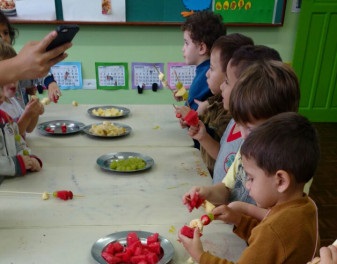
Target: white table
{"points": [[56, 231]]}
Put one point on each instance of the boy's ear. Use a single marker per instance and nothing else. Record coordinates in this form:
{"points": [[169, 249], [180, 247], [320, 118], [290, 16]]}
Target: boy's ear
{"points": [[202, 48], [283, 180]]}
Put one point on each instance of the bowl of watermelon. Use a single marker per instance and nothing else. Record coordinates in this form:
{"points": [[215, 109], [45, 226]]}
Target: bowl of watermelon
{"points": [[133, 247]]}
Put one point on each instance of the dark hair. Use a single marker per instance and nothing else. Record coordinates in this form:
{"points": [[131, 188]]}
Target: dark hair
{"points": [[12, 31], [6, 51], [228, 44], [204, 26], [287, 141], [248, 55], [263, 90]]}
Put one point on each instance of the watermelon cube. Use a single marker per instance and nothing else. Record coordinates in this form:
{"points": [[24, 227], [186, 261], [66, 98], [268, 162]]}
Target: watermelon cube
{"points": [[187, 231], [152, 238], [152, 258], [131, 238], [155, 247], [111, 259], [137, 259]]}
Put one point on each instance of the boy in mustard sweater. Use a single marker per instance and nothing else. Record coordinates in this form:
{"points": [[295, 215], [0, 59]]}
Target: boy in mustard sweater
{"points": [[279, 157]]}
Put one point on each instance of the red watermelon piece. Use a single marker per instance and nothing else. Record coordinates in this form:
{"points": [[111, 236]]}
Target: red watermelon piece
{"points": [[192, 118]]}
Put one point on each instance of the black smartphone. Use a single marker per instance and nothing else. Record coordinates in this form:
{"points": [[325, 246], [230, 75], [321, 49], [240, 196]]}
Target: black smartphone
{"points": [[65, 34]]}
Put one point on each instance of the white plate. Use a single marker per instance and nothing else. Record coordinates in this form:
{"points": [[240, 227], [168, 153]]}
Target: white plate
{"points": [[104, 161], [100, 244], [128, 130], [54, 127], [125, 111]]}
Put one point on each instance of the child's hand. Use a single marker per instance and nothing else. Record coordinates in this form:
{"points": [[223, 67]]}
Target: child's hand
{"points": [[177, 98], [181, 112], [328, 255], [197, 132], [31, 90], [35, 165], [54, 92], [193, 246], [195, 194], [227, 215], [202, 106], [33, 107]]}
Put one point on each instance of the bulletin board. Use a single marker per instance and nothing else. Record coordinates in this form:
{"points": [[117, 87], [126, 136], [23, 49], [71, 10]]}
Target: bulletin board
{"points": [[148, 12]]}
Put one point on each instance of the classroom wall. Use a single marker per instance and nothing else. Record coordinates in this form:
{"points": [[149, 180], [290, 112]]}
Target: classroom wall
{"points": [[112, 43]]}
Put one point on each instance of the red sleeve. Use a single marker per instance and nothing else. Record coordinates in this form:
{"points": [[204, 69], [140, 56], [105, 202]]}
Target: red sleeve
{"points": [[21, 165]]}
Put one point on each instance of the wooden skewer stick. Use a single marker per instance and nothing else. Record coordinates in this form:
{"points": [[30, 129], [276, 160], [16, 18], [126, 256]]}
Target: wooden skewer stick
{"points": [[34, 193]]}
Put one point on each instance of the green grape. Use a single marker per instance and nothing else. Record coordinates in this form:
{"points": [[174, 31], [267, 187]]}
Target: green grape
{"points": [[128, 164]]}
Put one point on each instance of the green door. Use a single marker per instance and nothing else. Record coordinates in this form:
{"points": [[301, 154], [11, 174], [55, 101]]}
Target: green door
{"points": [[315, 59]]}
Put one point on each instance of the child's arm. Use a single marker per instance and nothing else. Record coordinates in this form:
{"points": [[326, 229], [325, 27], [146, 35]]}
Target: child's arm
{"points": [[248, 209], [29, 118], [206, 141]]}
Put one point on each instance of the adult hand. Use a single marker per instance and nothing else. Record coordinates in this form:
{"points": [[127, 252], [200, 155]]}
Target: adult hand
{"points": [[33, 61]]}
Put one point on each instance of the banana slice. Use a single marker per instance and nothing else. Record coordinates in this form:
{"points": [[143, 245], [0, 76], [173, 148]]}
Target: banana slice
{"points": [[181, 92]]}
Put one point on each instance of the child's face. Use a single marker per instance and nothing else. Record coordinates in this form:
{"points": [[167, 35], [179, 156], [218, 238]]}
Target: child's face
{"points": [[245, 129], [228, 85], [262, 187], [190, 50], [4, 33], [9, 89], [215, 75]]}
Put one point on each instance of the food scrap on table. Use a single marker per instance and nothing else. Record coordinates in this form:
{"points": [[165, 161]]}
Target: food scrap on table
{"points": [[74, 103], [156, 127]]}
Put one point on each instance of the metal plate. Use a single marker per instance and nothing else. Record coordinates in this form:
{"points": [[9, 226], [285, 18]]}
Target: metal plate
{"points": [[104, 161], [60, 127], [100, 244], [125, 111], [128, 130]]}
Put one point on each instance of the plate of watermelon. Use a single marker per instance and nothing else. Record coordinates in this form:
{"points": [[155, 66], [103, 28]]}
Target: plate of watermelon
{"points": [[133, 247]]}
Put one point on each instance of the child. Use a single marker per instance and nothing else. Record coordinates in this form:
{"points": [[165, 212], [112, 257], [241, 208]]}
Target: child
{"points": [[263, 90], [8, 35], [200, 31], [276, 174], [225, 151], [215, 117], [15, 158], [25, 118]]}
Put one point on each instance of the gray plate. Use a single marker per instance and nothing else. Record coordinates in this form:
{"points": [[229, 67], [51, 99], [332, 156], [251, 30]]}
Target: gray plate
{"points": [[127, 132], [55, 127], [104, 161], [100, 244], [126, 111]]}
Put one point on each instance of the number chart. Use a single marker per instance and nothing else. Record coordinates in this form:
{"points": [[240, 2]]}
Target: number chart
{"points": [[68, 75], [146, 74], [112, 76], [179, 71]]}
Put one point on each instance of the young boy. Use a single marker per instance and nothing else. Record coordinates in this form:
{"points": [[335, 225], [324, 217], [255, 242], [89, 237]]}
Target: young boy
{"points": [[279, 157], [200, 30], [215, 117], [26, 118], [263, 90], [225, 151]]}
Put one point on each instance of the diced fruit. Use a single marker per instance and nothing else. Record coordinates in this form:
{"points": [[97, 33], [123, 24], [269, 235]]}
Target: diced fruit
{"points": [[64, 195], [179, 85], [152, 238], [196, 202], [178, 115], [131, 238], [187, 231], [206, 219], [192, 118], [64, 128], [134, 252], [208, 206], [181, 92]]}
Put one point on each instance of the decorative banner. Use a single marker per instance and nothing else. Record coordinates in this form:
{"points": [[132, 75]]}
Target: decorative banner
{"points": [[146, 73], [179, 71], [112, 75], [252, 11], [68, 75]]}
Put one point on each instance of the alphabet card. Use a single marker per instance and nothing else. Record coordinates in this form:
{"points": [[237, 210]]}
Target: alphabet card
{"points": [[68, 75], [146, 74], [112, 75]]}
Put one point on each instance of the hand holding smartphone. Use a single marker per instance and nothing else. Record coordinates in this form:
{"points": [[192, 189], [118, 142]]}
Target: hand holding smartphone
{"points": [[65, 34]]}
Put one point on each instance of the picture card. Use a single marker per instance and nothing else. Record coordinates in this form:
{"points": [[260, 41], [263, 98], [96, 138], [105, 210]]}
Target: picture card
{"points": [[112, 75], [68, 75], [146, 74]]}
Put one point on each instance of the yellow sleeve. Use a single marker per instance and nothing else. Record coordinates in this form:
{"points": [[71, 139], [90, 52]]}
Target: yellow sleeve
{"points": [[229, 179]]}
